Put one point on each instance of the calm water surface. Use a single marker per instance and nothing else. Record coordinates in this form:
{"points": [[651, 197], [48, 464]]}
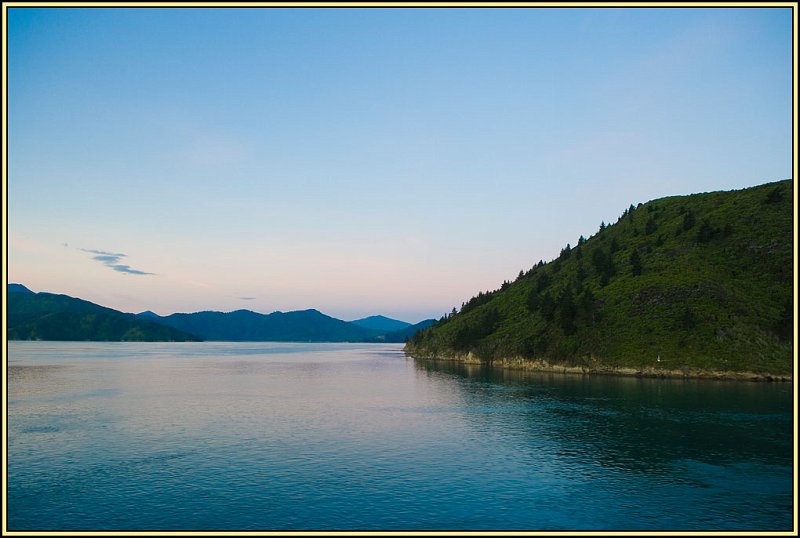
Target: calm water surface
{"points": [[263, 436]]}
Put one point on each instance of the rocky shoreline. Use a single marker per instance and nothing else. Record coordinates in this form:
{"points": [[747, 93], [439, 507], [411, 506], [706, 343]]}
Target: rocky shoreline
{"points": [[540, 365]]}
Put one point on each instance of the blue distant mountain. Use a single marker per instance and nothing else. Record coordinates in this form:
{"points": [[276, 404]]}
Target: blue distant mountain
{"points": [[381, 323], [18, 288], [248, 326], [48, 316], [403, 334]]}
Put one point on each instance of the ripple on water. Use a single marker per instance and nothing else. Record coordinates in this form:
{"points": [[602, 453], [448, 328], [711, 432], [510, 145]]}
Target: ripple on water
{"points": [[212, 436]]}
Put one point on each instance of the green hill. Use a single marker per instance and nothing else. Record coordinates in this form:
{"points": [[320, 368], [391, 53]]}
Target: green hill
{"points": [[680, 285], [48, 316]]}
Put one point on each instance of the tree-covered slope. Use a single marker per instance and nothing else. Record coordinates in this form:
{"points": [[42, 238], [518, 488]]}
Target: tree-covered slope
{"points": [[48, 316], [686, 282]]}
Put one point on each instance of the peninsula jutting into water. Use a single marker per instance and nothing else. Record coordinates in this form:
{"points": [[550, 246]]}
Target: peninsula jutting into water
{"points": [[693, 286]]}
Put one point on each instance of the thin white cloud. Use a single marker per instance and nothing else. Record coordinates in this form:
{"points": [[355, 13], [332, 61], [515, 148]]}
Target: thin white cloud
{"points": [[111, 260]]}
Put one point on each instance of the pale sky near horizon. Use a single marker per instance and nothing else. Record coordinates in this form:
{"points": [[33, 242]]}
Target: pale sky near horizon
{"points": [[366, 161]]}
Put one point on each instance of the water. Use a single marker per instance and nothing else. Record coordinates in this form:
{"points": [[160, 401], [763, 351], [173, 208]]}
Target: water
{"points": [[276, 436]]}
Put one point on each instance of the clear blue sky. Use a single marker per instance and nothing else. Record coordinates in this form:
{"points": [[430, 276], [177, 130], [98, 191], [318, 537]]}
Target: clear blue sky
{"points": [[366, 161]]}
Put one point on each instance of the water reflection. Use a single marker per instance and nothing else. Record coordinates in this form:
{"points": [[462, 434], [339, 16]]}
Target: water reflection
{"points": [[263, 436], [633, 424]]}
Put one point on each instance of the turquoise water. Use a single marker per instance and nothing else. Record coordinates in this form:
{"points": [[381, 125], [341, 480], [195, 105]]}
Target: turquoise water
{"points": [[277, 436]]}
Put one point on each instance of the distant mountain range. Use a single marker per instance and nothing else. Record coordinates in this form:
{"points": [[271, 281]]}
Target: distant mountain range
{"points": [[381, 323], [18, 288], [403, 334], [47, 316], [249, 326]]}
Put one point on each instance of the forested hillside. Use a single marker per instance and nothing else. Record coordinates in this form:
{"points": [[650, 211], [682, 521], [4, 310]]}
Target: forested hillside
{"points": [[687, 282], [49, 316]]}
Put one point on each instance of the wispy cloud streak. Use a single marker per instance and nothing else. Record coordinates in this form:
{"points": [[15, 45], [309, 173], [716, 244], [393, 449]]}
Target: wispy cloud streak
{"points": [[111, 259]]}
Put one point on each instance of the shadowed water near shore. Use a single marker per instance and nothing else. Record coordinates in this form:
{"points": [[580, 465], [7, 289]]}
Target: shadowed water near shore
{"points": [[264, 436], [663, 419], [643, 370]]}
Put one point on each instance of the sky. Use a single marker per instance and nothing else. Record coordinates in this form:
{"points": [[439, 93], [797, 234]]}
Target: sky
{"points": [[366, 161]]}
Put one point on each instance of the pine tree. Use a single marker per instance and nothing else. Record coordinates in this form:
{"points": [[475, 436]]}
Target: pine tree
{"points": [[636, 263], [586, 302], [650, 226], [542, 283], [599, 259], [566, 312], [532, 301], [547, 306], [705, 233], [688, 220], [580, 272], [688, 319]]}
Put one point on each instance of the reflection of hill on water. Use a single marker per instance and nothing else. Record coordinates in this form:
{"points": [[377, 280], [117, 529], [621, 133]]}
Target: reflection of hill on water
{"points": [[633, 424]]}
